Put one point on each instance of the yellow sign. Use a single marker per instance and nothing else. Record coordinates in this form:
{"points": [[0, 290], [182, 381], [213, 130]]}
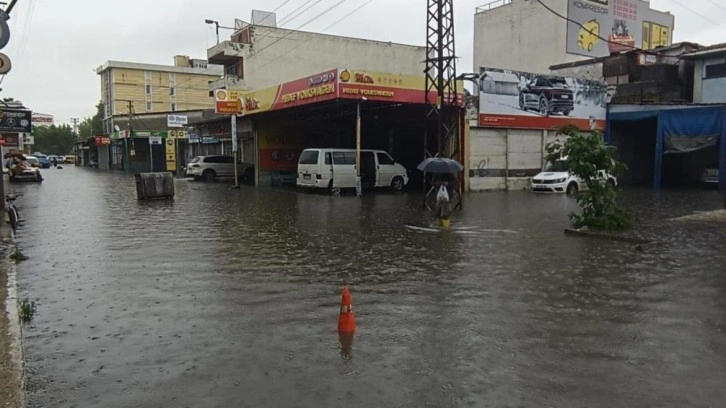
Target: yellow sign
{"points": [[177, 134], [170, 154]]}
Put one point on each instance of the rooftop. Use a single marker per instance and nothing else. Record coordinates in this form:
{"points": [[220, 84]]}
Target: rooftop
{"points": [[707, 51], [212, 70]]}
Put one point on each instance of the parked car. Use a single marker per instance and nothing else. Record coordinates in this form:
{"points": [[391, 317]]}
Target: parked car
{"points": [[556, 178], [210, 168], [32, 161], [44, 161], [547, 95], [69, 159], [709, 177], [335, 169]]}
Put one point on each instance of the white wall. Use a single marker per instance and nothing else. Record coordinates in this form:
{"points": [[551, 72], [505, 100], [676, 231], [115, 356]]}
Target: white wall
{"points": [[296, 54], [506, 159], [521, 36], [708, 90]]}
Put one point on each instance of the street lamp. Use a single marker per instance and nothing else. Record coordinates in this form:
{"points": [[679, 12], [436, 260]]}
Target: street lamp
{"points": [[216, 24], [358, 185], [217, 27]]}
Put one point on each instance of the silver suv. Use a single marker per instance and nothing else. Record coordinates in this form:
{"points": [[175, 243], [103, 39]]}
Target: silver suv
{"points": [[209, 168]]}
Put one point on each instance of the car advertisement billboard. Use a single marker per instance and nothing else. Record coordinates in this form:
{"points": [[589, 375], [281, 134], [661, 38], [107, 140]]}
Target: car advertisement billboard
{"points": [[625, 24], [514, 99]]}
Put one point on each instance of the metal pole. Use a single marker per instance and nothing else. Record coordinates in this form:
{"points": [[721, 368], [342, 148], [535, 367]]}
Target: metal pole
{"points": [[151, 155], [234, 149], [217, 25], [358, 185], [2, 181]]}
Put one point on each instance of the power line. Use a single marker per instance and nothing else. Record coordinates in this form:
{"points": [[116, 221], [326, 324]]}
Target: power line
{"points": [[287, 18], [347, 15], [699, 14], [717, 5], [301, 43], [303, 25], [281, 5]]}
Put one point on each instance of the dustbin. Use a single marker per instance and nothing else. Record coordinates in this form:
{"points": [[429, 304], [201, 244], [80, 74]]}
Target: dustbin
{"points": [[154, 185]]}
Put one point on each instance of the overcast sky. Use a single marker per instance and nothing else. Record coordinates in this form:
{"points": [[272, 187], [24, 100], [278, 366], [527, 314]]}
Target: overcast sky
{"points": [[55, 46]]}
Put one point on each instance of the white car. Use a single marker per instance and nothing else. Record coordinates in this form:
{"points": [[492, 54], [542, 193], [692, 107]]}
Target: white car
{"points": [[709, 177], [557, 179]]}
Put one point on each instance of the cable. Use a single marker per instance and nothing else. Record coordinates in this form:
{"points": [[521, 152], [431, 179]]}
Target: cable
{"points": [[281, 5], [282, 21], [347, 15], [699, 14], [303, 42], [717, 5], [287, 18], [303, 25]]}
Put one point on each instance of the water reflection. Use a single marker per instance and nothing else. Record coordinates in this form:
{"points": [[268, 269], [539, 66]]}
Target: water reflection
{"points": [[179, 301]]}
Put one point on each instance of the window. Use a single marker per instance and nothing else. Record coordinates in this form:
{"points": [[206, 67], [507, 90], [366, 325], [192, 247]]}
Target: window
{"points": [[147, 75], [231, 70], [149, 107], [309, 157], [172, 77], [328, 158], [384, 158], [350, 158], [172, 91], [213, 159], [173, 107], [148, 89], [227, 159], [715, 71]]}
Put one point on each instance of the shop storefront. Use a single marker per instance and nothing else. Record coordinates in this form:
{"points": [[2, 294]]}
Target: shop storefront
{"points": [[322, 111]]}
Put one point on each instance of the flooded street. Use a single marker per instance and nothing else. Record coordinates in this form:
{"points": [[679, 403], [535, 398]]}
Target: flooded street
{"points": [[231, 298]]}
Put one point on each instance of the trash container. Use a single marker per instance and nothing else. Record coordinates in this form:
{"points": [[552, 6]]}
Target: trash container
{"points": [[154, 185]]}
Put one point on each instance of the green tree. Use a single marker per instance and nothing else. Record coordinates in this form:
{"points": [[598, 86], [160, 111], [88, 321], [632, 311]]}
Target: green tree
{"points": [[53, 139], [587, 155], [92, 126]]}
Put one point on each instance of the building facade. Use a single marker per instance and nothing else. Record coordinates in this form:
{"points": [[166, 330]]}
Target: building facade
{"points": [[709, 81], [260, 56], [132, 88], [524, 35]]}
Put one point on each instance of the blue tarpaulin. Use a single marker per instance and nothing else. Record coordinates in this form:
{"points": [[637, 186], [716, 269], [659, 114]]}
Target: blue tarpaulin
{"points": [[682, 129]]}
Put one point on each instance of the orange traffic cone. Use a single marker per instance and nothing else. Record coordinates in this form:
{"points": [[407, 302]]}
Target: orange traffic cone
{"points": [[346, 320]]}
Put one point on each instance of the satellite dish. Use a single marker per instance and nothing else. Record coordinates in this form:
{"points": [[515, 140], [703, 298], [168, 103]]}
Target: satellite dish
{"points": [[118, 129]]}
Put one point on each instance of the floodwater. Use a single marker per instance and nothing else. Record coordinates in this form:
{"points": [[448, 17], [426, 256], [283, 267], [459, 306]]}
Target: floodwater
{"points": [[230, 299]]}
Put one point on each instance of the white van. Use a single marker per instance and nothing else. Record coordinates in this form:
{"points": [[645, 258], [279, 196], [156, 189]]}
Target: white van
{"points": [[335, 169]]}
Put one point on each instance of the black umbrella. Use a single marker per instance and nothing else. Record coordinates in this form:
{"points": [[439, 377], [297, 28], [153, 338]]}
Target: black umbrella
{"points": [[440, 165]]}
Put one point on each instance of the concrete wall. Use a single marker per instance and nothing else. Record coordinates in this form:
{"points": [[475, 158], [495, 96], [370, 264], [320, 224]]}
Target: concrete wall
{"points": [[591, 71], [505, 159], [708, 90], [279, 55], [521, 36]]}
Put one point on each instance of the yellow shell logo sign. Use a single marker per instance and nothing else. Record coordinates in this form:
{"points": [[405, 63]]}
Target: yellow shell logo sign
{"points": [[221, 95], [345, 76]]}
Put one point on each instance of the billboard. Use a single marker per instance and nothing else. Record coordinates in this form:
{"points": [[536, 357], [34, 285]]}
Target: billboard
{"points": [[16, 120], [514, 99], [625, 24]]}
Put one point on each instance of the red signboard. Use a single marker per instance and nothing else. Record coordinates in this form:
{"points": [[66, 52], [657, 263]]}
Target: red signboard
{"points": [[101, 140]]}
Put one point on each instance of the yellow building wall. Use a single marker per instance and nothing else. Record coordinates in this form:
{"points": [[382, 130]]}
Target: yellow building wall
{"points": [[191, 91]]}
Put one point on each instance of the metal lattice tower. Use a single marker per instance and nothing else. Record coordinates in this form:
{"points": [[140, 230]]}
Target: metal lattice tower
{"points": [[441, 93]]}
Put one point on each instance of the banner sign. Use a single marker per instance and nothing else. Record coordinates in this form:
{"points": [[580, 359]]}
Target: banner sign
{"points": [[332, 85], [514, 99], [170, 154], [102, 140], [176, 121], [15, 120], [193, 136], [626, 24]]}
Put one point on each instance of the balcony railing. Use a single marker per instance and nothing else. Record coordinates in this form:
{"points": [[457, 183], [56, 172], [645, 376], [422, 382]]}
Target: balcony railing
{"points": [[492, 5]]}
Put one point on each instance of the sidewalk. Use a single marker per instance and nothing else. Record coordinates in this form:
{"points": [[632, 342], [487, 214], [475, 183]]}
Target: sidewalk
{"points": [[10, 384]]}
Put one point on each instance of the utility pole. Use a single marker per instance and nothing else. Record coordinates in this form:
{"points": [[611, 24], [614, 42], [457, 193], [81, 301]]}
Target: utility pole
{"points": [[441, 87], [127, 155], [75, 127]]}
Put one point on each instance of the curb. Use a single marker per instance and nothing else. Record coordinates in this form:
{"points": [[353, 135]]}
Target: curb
{"points": [[15, 329]]}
